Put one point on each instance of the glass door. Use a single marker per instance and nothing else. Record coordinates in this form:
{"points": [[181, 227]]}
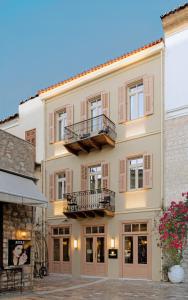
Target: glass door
{"points": [[96, 110], [95, 176], [135, 258], [89, 250], [94, 258], [136, 250]]}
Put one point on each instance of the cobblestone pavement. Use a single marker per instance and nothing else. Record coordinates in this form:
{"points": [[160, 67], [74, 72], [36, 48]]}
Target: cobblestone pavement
{"points": [[56, 287]]}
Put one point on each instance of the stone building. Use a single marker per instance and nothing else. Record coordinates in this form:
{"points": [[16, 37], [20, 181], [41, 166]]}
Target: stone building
{"points": [[175, 25], [19, 197]]}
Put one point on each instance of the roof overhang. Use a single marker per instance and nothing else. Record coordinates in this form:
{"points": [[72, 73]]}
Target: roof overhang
{"points": [[104, 70], [20, 190]]}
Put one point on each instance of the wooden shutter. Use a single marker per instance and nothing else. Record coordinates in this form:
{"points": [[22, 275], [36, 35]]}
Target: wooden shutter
{"points": [[122, 175], [148, 95], [30, 136], [105, 175], [147, 180], [69, 111], [122, 104], [51, 128], [84, 110], [52, 187], [105, 104], [84, 177], [69, 180]]}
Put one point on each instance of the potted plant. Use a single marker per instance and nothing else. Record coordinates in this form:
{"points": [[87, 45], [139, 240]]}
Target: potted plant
{"points": [[173, 227]]}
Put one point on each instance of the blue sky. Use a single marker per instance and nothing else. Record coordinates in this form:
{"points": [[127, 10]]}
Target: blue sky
{"points": [[45, 41]]}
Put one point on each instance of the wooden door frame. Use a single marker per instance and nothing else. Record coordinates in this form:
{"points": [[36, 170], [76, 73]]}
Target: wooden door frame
{"points": [[60, 237], [93, 235], [121, 244]]}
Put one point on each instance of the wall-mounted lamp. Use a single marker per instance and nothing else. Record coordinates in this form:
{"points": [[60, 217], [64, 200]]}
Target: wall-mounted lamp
{"points": [[112, 243], [21, 234], [75, 244]]}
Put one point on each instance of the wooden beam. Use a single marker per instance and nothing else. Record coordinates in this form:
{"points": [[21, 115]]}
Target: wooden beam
{"points": [[71, 150], [82, 147], [94, 144], [109, 141]]}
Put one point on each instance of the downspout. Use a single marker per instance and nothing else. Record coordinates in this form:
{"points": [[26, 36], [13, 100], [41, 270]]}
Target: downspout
{"points": [[162, 204]]}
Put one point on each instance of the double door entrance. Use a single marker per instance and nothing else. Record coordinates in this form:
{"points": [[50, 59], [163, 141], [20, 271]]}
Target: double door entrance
{"points": [[136, 251], [94, 251]]}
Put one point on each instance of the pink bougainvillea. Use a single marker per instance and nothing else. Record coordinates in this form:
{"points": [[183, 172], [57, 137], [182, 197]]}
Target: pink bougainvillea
{"points": [[173, 228]]}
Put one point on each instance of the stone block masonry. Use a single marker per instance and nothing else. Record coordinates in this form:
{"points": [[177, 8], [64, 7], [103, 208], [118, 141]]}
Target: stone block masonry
{"points": [[176, 158], [18, 218], [176, 165], [16, 155]]}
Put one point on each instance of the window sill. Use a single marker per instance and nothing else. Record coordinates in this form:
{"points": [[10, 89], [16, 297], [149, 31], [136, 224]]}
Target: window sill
{"points": [[137, 190], [135, 120], [59, 142]]}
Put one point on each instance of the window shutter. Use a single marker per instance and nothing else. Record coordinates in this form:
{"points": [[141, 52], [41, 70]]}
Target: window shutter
{"points": [[105, 104], [69, 111], [69, 180], [147, 180], [105, 175], [52, 187], [84, 177], [51, 128], [84, 110], [122, 175], [148, 95], [122, 104]]}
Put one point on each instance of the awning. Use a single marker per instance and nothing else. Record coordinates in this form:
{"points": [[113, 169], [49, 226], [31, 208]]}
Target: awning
{"points": [[20, 190]]}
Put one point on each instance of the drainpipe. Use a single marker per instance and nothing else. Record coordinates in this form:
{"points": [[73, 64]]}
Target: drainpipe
{"points": [[162, 204]]}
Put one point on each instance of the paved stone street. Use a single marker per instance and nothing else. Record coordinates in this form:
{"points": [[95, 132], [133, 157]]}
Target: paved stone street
{"points": [[64, 287]]}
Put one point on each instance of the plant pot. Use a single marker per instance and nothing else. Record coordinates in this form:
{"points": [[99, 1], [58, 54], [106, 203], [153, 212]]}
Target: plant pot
{"points": [[176, 274]]}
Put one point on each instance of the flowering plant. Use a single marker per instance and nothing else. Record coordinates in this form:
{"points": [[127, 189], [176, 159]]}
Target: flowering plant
{"points": [[173, 228]]}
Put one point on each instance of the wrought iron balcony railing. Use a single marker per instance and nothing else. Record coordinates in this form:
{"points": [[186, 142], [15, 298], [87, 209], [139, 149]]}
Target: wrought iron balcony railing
{"points": [[100, 125], [90, 203]]}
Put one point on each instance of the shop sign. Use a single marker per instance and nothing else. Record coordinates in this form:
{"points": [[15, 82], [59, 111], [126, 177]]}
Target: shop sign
{"points": [[113, 253]]}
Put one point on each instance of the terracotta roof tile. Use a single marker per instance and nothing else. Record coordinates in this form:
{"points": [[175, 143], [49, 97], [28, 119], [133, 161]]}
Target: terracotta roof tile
{"points": [[174, 10], [61, 83], [9, 118]]}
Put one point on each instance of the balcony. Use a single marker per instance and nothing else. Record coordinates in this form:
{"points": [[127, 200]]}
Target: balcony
{"points": [[86, 204], [90, 134]]}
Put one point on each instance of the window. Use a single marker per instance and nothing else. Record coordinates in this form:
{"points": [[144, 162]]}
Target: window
{"points": [[136, 227], [66, 249], [96, 110], [61, 124], [95, 175], [56, 249], [136, 101], [61, 185], [135, 173], [61, 231], [94, 229], [30, 136]]}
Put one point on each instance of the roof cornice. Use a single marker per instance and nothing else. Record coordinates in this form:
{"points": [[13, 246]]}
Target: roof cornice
{"points": [[102, 70]]}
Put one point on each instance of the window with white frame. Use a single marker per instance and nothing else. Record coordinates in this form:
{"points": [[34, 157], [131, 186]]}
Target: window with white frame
{"points": [[135, 173], [61, 124], [95, 176], [136, 101], [61, 185], [95, 111]]}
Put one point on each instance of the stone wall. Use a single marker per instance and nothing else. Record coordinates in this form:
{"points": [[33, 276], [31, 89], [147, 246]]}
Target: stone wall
{"points": [[16, 219], [176, 158], [16, 155], [176, 165]]}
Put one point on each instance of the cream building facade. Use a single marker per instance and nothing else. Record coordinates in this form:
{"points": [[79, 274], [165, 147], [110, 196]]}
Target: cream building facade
{"points": [[103, 168], [107, 143]]}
